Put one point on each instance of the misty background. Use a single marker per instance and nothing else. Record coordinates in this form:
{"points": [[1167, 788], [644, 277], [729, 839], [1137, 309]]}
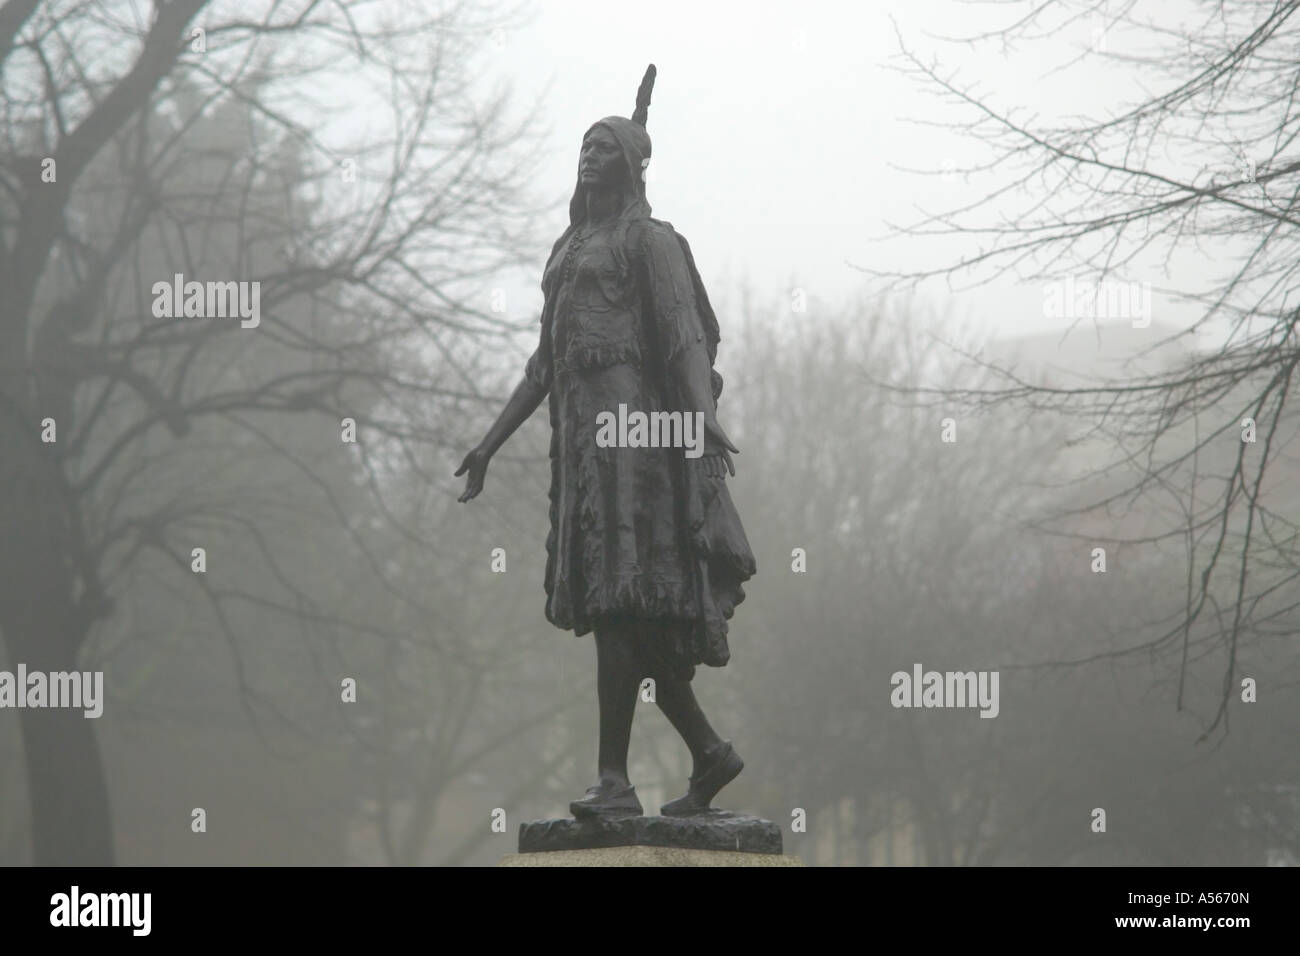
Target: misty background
{"points": [[879, 250]]}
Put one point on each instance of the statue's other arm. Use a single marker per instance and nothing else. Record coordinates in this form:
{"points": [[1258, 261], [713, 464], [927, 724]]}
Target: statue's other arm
{"points": [[682, 342]]}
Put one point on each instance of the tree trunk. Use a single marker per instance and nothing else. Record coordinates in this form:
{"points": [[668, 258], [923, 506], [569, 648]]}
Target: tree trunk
{"points": [[44, 629], [65, 775]]}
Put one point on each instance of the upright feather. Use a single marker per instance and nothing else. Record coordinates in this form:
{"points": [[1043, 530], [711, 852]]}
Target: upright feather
{"points": [[643, 96]]}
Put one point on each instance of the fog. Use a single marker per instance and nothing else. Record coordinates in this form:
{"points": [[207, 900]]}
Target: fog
{"points": [[1025, 574]]}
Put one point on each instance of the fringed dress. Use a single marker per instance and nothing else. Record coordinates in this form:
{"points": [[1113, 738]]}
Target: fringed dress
{"points": [[636, 533]]}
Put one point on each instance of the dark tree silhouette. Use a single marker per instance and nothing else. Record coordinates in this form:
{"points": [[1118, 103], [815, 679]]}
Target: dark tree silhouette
{"points": [[144, 140], [1200, 173]]}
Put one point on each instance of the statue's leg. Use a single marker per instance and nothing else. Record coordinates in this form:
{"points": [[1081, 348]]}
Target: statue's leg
{"points": [[617, 678], [715, 762], [677, 701]]}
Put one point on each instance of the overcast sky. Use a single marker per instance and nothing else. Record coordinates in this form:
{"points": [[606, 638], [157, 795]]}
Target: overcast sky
{"points": [[779, 130]]}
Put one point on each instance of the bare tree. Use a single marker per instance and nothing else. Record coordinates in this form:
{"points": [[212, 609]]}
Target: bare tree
{"points": [[478, 706], [916, 550], [885, 546], [145, 140], [1199, 174]]}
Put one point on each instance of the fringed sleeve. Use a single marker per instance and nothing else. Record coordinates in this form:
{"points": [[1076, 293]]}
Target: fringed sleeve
{"points": [[671, 295], [540, 369]]}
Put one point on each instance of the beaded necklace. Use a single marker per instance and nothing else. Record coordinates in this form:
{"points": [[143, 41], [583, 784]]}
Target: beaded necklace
{"points": [[568, 267]]}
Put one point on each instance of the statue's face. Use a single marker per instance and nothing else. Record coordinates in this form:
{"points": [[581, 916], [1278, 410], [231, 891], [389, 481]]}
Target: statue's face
{"points": [[600, 164]]}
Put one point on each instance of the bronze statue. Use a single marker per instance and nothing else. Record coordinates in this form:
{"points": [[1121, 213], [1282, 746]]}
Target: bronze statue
{"points": [[646, 548]]}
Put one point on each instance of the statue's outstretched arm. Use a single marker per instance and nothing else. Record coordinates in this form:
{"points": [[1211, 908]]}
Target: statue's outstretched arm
{"points": [[523, 401]]}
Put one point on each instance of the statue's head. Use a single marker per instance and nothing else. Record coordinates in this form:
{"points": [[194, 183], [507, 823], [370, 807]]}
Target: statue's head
{"points": [[614, 155], [601, 164]]}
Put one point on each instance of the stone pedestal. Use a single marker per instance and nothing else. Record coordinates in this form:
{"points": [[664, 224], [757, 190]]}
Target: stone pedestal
{"points": [[648, 856], [717, 838]]}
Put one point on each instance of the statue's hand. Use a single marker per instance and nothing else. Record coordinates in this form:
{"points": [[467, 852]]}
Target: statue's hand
{"points": [[718, 449], [475, 463]]}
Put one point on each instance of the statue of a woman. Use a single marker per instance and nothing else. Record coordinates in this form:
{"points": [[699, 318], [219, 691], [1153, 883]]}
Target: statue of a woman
{"points": [[645, 547]]}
